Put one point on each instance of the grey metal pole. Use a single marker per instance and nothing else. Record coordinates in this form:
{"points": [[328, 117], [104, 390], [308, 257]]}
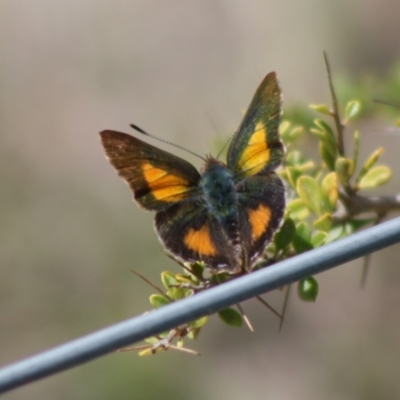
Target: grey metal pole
{"points": [[135, 329]]}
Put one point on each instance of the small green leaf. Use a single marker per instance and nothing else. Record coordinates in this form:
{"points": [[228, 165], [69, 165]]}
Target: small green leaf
{"points": [[293, 174], [285, 234], [295, 133], [309, 191], [335, 233], [307, 166], [321, 108], [219, 278], [323, 223], [319, 134], [231, 317], [375, 177], [327, 141], [298, 210], [193, 333], [373, 158], [302, 240], [318, 239], [294, 158], [328, 145], [197, 270], [328, 158], [158, 300], [325, 127], [344, 168], [151, 340], [308, 289], [329, 192], [303, 231], [199, 322], [353, 108], [371, 161], [289, 136], [164, 334], [176, 293], [180, 278], [168, 279], [283, 127], [147, 352]]}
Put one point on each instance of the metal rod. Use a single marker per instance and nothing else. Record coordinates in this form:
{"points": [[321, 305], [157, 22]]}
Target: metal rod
{"points": [[133, 330]]}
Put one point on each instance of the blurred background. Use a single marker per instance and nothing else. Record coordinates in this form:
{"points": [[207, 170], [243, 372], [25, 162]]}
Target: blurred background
{"points": [[70, 232]]}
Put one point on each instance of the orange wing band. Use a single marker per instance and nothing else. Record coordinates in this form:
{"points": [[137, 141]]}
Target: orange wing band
{"points": [[257, 153], [200, 241], [259, 220], [165, 186]]}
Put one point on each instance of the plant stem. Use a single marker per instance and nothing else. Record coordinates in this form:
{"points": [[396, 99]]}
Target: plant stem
{"points": [[336, 115]]}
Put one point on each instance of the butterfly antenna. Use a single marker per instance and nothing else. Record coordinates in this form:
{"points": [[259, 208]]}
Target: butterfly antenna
{"points": [[136, 128], [223, 147]]}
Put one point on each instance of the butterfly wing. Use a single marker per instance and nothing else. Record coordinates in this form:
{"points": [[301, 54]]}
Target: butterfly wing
{"points": [[256, 146], [261, 209], [157, 178], [191, 234], [254, 153]]}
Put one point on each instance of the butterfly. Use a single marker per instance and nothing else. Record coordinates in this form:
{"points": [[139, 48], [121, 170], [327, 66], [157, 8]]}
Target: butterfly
{"points": [[224, 215]]}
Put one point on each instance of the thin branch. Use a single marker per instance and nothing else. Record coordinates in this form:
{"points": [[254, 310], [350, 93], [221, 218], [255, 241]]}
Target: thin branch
{"points": [[368, 257], [189, 309], [245, 318], [365, 270], [356, 204], [386, 103], [285, 304], [264, 303], [336, 114], [154, 286]]}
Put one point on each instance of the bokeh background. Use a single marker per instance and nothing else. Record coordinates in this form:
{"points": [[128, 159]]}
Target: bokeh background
{"points": [[70, 232]]}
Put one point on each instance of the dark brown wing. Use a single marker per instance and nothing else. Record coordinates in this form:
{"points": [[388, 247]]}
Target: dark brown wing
{"points": [[157, 178]]}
